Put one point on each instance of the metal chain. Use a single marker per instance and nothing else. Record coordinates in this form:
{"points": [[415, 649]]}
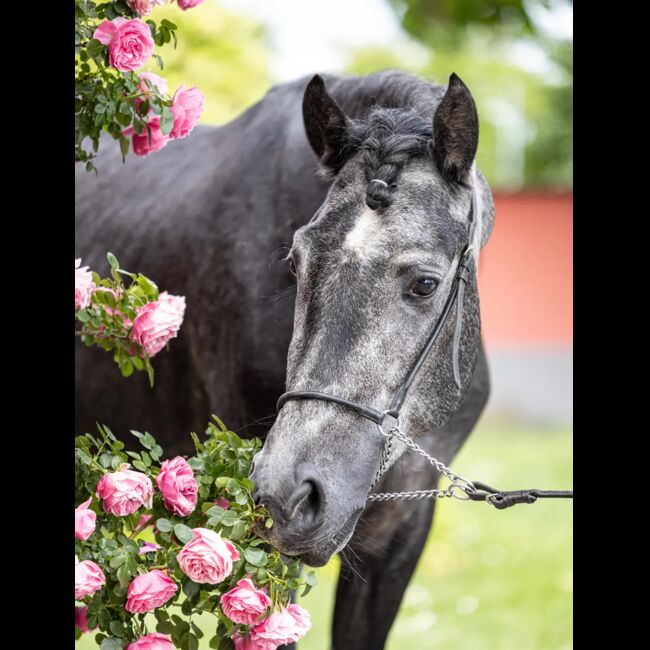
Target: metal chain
{"points": [[459, 487]]}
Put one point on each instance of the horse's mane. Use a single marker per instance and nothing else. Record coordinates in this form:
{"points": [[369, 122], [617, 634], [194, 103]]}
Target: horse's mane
{"points": [[391, 122]]}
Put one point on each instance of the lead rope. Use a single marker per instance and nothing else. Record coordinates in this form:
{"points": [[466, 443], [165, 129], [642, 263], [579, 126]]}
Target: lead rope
{"points": [[459, 487]]}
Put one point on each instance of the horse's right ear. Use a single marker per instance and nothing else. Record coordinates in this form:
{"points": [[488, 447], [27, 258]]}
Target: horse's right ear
{"points": [[326, 125]]}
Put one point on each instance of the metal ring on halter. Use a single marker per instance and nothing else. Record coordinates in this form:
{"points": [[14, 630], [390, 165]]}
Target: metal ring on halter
{"points": [[461, 488], [392, 414], [378, 180]]}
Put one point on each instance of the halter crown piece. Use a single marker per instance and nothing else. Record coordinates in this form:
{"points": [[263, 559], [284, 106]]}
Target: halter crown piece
{"points": [[459, 488]]}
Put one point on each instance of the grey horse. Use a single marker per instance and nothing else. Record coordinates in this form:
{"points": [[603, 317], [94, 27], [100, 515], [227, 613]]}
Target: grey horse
{"points": [[372, 227]]}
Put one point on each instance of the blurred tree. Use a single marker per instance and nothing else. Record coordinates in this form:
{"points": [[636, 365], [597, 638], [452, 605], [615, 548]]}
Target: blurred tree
{"points": [[526, 115], [221, 52], [448, 18]]}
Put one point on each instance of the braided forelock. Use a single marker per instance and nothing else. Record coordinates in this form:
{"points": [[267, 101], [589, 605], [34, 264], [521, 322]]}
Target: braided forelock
{"points": [[388, 138]]}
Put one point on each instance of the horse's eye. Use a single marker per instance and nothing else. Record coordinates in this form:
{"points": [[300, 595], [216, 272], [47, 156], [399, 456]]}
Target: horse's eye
{"points": [[292, 267], [423, 287]]}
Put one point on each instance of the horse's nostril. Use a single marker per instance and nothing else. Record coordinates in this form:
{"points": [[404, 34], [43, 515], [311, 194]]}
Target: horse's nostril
{"points": [[305, 504]]}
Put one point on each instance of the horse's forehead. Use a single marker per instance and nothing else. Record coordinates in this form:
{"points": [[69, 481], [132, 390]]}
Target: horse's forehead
{"points": [[423, 214]]}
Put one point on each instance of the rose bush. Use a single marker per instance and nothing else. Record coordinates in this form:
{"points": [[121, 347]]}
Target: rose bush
{"points": [[112, 92], [187, 547], [134, 322]]}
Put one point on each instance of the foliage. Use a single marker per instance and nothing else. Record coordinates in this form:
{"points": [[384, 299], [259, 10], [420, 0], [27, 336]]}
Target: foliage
{"points": [[435, 18], [525, 112], [108, 313], [221, 466], [222, 50], [107, 99]]}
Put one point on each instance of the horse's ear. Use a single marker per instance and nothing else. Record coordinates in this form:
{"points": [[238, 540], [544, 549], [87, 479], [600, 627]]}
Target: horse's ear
{"points": [[326, 125], [455, 131]]}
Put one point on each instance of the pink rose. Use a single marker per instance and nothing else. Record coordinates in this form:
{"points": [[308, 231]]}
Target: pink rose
{"points": [[244, 603], [123, 492], [144, 7], [153, 641], [158, 322], [222, 502], [207, 558], [84, 521], [188, 4], [81, 618], [88, 578], [284, 626], [187, 106], [142, 144], [143, 521], [148, 547], [83, 285], [157, 82], [129, 42], [148, 591], [178, 486], [246, 643]]}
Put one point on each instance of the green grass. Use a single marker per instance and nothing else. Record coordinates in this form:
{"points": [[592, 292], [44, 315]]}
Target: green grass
{"points": [[487, 579]]}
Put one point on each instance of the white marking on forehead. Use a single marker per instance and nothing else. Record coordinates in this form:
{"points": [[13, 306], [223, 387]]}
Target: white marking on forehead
{"points": [[364, 234]]}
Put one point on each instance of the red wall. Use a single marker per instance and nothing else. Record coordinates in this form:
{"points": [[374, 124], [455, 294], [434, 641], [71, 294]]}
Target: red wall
{"points": [[525, 271]]}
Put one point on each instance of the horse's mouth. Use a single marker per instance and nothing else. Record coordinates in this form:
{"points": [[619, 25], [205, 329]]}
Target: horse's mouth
{"points": [[319, 552]]}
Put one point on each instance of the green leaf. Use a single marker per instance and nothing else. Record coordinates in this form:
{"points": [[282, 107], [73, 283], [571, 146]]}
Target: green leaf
{"points": [[183, 533], [117, 561], [165, 627], [238, 530], [190, 588], [233, 486], [256, 556], [148, 441], [226, 644], [150, 288], [160, 614], [188, 641], [117, 628], [111, 643], [124, 146], [83, 456], [186, 607], [126, 369], [166, 120], [164, 525], [112, 260], [123, 575]]}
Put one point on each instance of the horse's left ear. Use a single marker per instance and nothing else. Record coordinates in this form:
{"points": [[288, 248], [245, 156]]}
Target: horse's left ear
{"points": [[326, 125], [455, 131]]}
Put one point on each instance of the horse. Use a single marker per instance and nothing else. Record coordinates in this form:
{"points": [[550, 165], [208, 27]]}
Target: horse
{"points": [[316, 238]]}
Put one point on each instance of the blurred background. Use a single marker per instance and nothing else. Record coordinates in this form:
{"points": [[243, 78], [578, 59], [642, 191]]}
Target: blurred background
{"points": [[488, 580]]}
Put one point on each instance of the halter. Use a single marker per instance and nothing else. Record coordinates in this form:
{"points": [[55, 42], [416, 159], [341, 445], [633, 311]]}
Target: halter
{"points": [[459, 488]]}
